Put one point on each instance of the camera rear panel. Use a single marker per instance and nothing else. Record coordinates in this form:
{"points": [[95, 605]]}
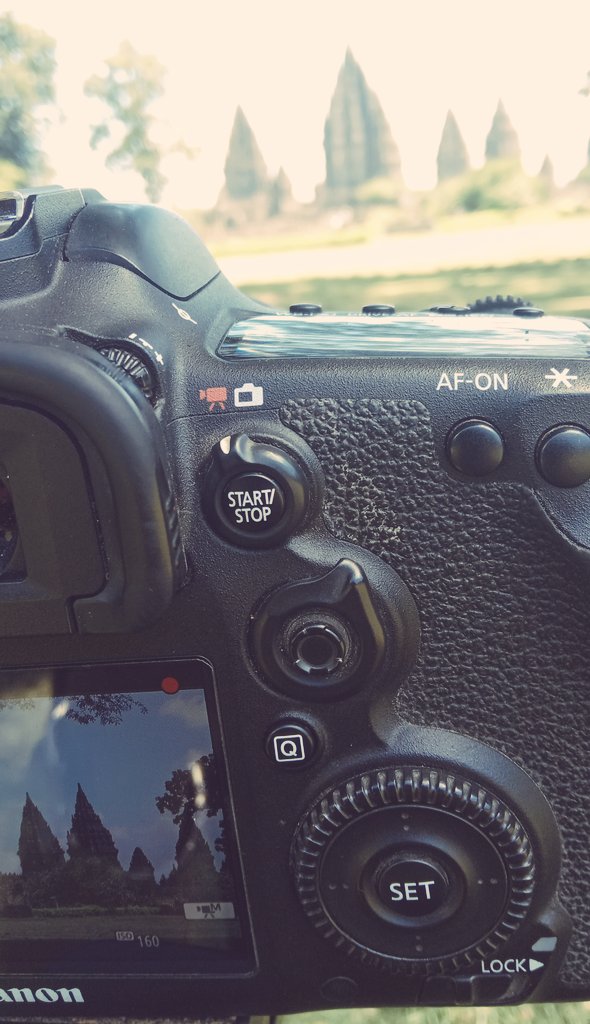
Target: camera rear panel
{"points": [[373, 534]]}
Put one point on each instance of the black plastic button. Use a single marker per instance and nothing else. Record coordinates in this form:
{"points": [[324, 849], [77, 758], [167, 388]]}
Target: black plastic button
{"points": [[378, 309], [563, 456], [456, 310], [527, 311], [412, 886], [317, 649], [291, 745], [255, 494], [475, 448], [439, 991], [339, 990], [252, 503], [305, 308]]}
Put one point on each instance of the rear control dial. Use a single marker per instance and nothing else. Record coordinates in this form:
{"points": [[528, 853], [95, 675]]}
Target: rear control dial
{"points": [[411, 866]]}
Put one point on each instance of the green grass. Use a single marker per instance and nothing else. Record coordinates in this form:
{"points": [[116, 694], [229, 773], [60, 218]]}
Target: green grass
{"points": [[250, 246], [313, 231], [558, 287], [563, 1013]]}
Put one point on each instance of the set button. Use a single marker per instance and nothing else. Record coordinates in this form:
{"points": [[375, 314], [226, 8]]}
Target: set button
{"points": [[414, 886]]}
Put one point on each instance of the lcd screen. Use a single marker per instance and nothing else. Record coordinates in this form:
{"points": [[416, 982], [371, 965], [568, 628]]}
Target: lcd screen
{"points": [[115, 851]]}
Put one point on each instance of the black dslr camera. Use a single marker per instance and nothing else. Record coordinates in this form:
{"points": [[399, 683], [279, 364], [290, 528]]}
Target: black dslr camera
{"points": [[295, 638]]}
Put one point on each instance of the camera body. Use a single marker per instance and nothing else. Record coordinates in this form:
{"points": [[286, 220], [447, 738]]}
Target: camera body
{"points": [[294, 638]]}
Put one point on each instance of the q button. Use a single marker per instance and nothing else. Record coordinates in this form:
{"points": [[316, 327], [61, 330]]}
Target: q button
{"points": [[291, 745]]}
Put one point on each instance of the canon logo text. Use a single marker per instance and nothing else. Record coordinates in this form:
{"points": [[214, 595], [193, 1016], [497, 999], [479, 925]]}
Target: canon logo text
{"points": [[41, 995]]}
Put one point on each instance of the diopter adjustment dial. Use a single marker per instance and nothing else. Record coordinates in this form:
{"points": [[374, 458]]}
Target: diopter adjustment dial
{"points": [[414, 869], [135, 368]]}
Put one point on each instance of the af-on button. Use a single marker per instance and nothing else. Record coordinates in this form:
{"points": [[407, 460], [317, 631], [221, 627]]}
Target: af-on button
{"points": [[475, 448]]}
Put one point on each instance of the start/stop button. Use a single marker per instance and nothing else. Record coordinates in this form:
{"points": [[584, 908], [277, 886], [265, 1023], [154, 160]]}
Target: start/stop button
{"points": [[253, 503], [255, 493]]}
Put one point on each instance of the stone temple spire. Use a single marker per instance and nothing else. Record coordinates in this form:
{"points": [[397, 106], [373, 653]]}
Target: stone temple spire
{"points": [[357, 138], [245, 170], [38, 848], [452, 159], [88, 837], [502, 141]]}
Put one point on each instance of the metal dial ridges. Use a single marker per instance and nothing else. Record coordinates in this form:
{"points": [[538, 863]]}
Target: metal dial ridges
{"points": [[133, 366], [415, 786]]}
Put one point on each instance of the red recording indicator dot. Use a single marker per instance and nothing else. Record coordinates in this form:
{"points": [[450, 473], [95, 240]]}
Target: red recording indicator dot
{"points": [[170, 685]]}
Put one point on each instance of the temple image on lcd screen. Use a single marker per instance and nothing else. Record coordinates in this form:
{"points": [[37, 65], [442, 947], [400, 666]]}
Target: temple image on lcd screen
{"points": [[106, 845]]}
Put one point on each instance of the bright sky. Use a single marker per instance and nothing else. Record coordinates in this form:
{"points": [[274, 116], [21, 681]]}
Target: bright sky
{"points": [[280, 60]]}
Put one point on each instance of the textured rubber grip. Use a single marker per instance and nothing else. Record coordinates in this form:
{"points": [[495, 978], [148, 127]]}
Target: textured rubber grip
{"points": [[504, 607]]}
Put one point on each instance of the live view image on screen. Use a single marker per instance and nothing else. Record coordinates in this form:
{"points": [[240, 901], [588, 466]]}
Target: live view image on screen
{"points": [[112, 831]]}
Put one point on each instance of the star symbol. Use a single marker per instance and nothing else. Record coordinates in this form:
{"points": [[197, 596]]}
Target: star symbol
{"points": [[558, 377]]}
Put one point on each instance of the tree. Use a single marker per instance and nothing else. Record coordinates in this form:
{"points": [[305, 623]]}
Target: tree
{"points": [[27, 66], [133, 81], [187, 792], [106, 708], [183, 794]]}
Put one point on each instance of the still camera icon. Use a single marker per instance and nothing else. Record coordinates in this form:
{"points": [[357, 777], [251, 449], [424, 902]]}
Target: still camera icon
{"points": [[289, 747], [248, 395]]}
